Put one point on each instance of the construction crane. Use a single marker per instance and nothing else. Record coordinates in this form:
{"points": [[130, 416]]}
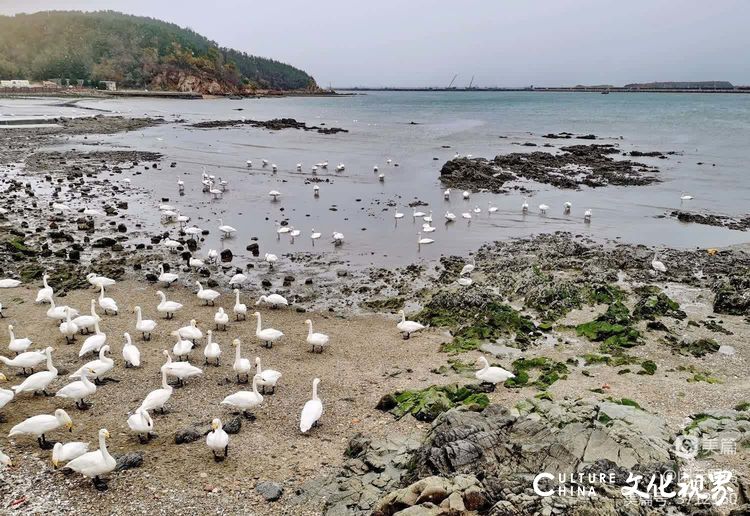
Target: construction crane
{"points": [[471, 82], [452, 81]]}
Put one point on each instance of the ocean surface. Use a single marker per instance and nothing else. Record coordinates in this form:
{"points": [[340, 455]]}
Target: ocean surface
{"points": [[711, 129]]}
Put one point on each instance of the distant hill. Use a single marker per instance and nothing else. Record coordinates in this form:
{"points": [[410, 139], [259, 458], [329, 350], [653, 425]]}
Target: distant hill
{"points": [[134, 51], [700, 85]]}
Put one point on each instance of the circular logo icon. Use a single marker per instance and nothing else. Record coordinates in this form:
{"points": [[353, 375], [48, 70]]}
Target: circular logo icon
{"points": [[686, 446]]}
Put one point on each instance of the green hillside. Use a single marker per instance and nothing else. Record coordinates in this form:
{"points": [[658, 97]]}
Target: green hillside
{"points": [[135, 51]]}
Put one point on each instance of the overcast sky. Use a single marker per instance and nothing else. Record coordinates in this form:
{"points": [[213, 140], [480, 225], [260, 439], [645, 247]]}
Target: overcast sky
{"points": [[500, 42]]}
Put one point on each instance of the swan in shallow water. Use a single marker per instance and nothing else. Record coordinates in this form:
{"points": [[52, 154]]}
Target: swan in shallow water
{"points": [[62, 453], [217, 440], [338, 238], [97, 368], [491, 374], [245, 400], [316, 191], [316, 340], [566, 207], [543, 209], [466, 194], [275, 300], [206, 294], [38, 382], [490, 208], [141, 424], [180, 370], [78, 391], [271, 259], [241, 365], [130, 352], [416, 213], [239, 309], [96, 463], [447, 194], [525, 206], [17, 345], [449, 216], [44, 295], [686, 197], [427, 228], [314, 235], [423, 241], [86, 322], [226, 230], [312, 411], [144, 326], [408, 327], [107, 303], [266, 377], [93, 343], [41, 425], [269, 335], [167, 307], [274, 194], [157, 398]]}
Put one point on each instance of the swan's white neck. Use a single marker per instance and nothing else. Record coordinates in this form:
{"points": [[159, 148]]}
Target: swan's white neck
{"points": [[138, 314], [403, 316], [103, 448], [258, 369], [85, 380], [164, 383], [315, 391], [44, 280], [237, 297], [10, 330], [237, 353], [309, 328], [485, 364], [255, 385], [93, 308], [67, 315], [257, 330], [50, 367]]}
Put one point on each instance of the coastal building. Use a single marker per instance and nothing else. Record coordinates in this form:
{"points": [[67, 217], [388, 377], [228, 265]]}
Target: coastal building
{"points": [[108, 85], [15, 83]]}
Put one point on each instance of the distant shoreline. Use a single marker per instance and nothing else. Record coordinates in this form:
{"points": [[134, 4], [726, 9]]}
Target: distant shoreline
{"points": [[741, 89]]}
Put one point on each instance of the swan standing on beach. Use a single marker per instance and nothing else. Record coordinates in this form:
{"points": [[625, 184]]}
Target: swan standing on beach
{"points": [[6, 395], [245, 400], [312, 411], [408, 327], [212, 350], [269, 335], [130, 353], [44, 295], [266, 377], [98, 368], [62, 453], [180, 370], [96, 463], [167, 307], [468, 268], [190, 332], [27, 360], [17, 346], [141, 424], [157, 398], [93, 343], [99, 281], [59, 313], [217, 440], [657, 265], [78, 391], [166, 277], [237, 280], [68, 328], [239, 309], [182, 348], [221, 319], [316, 340], [275, 300], [39, 381], [107, 303], [270, 259], [240, 365], [41, 425], [206, 294], [144, 326], [491, 374], [86, 322]]}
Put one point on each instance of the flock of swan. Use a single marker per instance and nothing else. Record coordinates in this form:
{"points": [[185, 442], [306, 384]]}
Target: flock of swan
{"points": [[91, 375]]}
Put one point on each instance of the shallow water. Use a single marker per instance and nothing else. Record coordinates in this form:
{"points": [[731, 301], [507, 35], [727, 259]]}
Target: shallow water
{"points": [[703, 128]]}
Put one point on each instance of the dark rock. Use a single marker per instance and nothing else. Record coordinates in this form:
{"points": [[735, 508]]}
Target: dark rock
{"points": [[187, 435], [254, 248], [226, 255], [104, 242], [233, 426], [270, 491], [129, 461]]}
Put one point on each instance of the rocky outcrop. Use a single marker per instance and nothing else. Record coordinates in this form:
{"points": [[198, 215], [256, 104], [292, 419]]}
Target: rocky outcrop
{"points": [[275, 124], [735, 223], [733, 295]]}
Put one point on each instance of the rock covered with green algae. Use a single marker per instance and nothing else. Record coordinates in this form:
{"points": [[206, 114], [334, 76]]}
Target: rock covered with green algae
{"points": [[427, 404], [613, 329]]}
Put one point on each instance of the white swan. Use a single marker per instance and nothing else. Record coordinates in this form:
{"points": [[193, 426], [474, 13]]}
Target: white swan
{"points": [[226, 230], [269, 335], [686, 197], [6, 395], [44, 295], [415, 213], [567, 206], [78, 390], [338, 238], [5, 460], [423, 241], [130, 352], [180, 370], [68, 328], [212, 349], [27, 360], [398, 214], [157, 398], [274, 194], [41, 425], [182, 348], [468, 268], [447, 194], [93, 343], [96, 463], [587, 216], [145, 326], [237, 280], [167, 277], [658, 265], [239, 309], [490, 208], [275, 300], [466, 215], [315, 235], [312, 410], [190, 332], [168, 308], [221, 319], [466, 194], [62, 453], [217, 440], [9, 283], [98, 367], [408, 327], [195, 263], [428, 218], [207, 295], [491, 374], [39, 381], [141, 423], [107, 303], [245, 400], [266, 377], [270, 259], [316, 340], [543, 209], [240, 365], [449, 216], [99, 281], [477, 210], [17, 345], [58, 313], [525, 206], [86, 322]]}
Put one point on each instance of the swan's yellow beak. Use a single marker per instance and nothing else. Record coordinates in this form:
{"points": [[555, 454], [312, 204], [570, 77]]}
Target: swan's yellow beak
{"points": [[69, 426], [214, 426], [106, 434], [55, 463], [3, 378]]}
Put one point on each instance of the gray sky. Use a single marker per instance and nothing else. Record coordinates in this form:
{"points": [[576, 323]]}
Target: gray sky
{"points": [[501, 42]]}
